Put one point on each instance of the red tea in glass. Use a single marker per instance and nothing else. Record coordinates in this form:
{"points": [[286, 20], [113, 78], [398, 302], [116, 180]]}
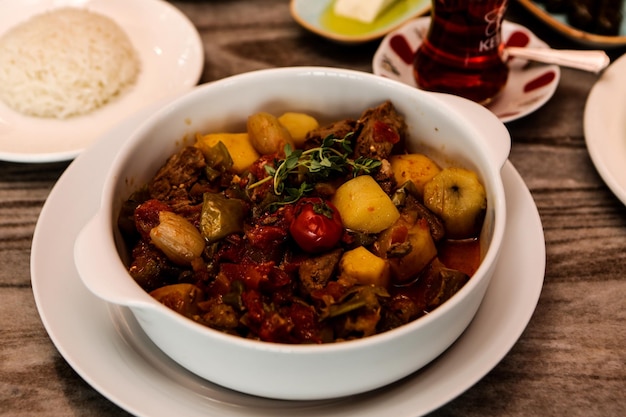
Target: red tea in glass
{"points": [[462, 53]]}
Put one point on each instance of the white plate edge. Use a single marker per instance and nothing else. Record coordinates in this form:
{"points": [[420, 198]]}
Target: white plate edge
{"points": [[598, 138]]}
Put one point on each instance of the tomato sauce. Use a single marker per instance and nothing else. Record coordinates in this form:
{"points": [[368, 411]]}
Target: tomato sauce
{"points": [[463, 255]]}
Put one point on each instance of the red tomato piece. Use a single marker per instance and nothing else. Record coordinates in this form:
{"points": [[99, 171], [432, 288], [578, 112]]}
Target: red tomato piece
{"points": [[147, 216], [383, 132], [317, 225]]}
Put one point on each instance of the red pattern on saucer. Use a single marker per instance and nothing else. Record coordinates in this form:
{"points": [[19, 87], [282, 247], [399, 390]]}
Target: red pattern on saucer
{"points": [[529, 86]]}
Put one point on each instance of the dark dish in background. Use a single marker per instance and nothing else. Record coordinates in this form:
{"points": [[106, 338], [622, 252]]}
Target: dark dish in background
{"points": [[584, 23], [602, 17]]}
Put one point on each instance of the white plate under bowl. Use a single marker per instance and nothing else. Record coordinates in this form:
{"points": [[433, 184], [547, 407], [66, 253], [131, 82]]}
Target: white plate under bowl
{"points": [[318, 17], [605, 127], [115, 357], [172, 58], [528, 88]]}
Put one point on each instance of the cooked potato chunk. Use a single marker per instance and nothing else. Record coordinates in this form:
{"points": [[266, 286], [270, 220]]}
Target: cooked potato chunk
{"points": [[364, 206], [182, 298], [239, 147], [415, 167], [266, 133], [364, 267], [408, 248], [458, 197], [298, 125]]}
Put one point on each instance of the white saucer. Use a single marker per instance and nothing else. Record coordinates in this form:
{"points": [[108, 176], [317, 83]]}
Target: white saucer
{"points": [[605, 127], [317, 16], [529, 86], [108, 349], [171, 54]]}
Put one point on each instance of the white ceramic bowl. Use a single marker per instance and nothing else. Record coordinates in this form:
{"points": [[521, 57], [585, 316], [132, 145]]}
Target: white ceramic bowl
{"points": [[451, 128]]}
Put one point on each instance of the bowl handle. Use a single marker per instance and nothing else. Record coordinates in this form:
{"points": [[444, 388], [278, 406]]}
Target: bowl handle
{"points": [[493, 130], [93, 252]]}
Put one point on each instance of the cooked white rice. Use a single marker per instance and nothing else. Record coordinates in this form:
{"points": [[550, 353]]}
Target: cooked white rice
{"points": [[65, 62]]}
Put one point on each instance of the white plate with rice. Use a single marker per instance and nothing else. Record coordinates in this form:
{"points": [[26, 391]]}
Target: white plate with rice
{"points": [[171, 58]]}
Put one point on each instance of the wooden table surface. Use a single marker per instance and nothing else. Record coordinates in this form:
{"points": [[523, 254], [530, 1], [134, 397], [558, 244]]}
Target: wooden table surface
{"points": [[570, 360]]}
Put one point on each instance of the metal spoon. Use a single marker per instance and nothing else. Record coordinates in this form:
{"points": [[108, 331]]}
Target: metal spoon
{"points": [[593, 61]]}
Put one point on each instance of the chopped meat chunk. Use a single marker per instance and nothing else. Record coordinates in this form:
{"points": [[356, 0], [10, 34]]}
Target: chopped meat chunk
{"points": [[383, 128], [315, 272], [178, 174]]}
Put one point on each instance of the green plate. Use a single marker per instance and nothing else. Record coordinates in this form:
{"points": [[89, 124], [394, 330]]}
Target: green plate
{"points": [[318, 17]]}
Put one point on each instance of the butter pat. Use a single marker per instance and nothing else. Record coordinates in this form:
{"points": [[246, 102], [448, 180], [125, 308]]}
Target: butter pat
{"points": [[363, 10]]}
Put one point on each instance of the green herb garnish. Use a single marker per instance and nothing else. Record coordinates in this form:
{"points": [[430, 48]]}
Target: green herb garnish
{"points": [[314, 165]]}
